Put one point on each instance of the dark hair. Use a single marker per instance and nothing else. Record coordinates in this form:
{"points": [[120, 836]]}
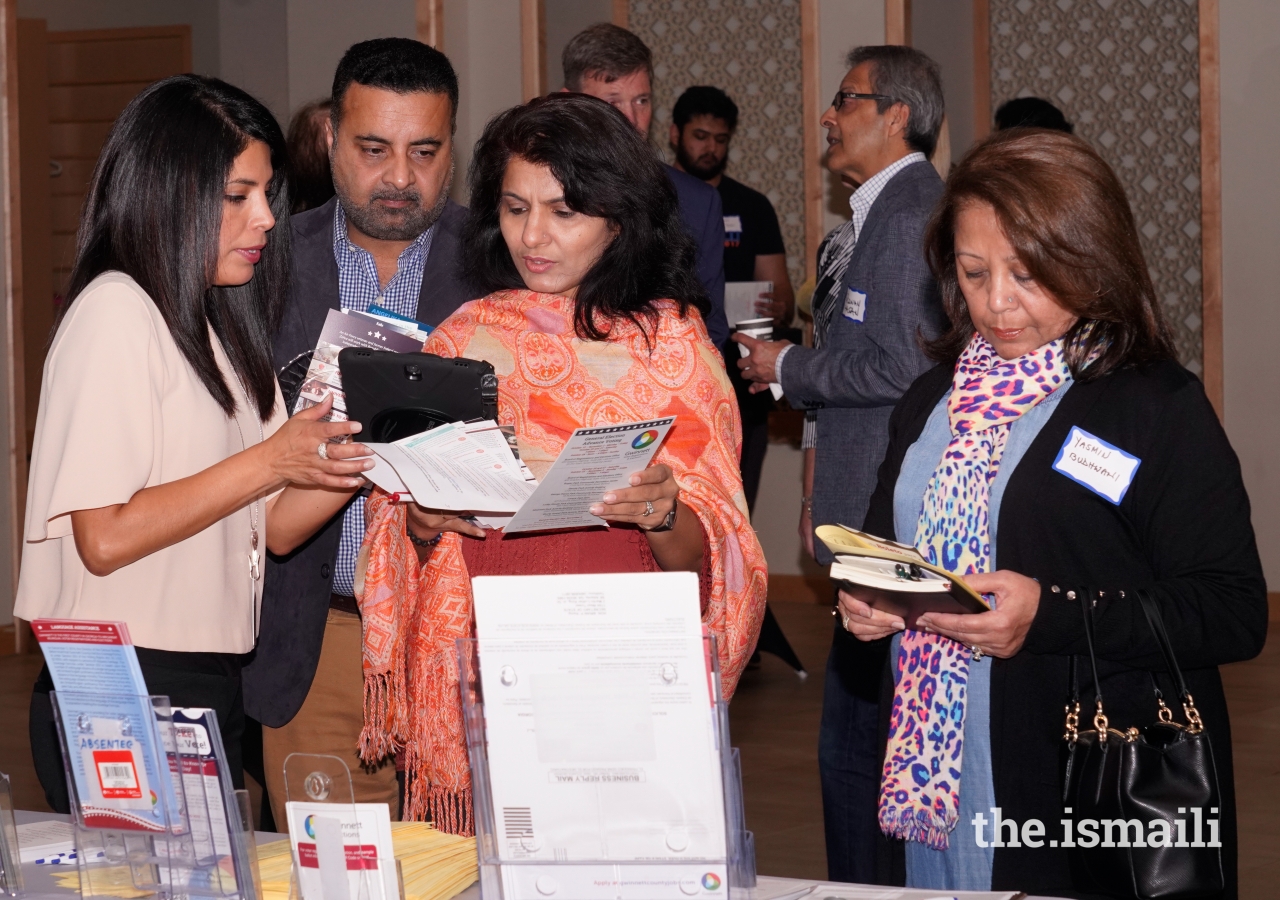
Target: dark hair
{"points": [[606, 51], [154, 212], [1031, 112], [310, 180], [607, 169], [1064, 212], [701, 100], [912, 79], [401, 65]]}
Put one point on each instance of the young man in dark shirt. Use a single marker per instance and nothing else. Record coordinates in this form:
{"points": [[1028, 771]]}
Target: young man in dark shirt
{"points": [[703, 122]]}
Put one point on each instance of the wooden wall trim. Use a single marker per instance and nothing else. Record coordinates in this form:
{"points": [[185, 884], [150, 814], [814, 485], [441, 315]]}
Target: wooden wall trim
{"points": [[897, 22], [811, 87], [622, 13], [1211, 204], [533, 49], [429, 16], [981, 69], [15, 437]]}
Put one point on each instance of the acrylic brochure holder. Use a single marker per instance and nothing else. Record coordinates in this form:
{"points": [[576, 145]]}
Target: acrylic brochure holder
{"points": [[10, 854], [512, 861], [165, 821], [335, 847]]}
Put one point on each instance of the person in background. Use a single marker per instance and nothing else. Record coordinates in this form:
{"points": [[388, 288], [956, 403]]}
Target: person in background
{"points": [[163, 466], [591, 310], [308, 145], [702, 125], [881, 129], [1031, 112], [391, 236], [613, 64], [1057, 340]]}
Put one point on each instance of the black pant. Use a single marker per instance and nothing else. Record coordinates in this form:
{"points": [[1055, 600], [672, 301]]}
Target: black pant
{"points": [[205, 680], [849, 756]]}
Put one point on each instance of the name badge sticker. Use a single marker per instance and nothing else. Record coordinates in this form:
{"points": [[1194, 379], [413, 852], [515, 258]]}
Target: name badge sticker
{"points": [[1101, 467], [855, 305], [732, 231]]}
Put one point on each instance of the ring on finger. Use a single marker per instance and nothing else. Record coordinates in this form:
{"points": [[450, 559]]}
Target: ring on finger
{"points": [[976, 651], [322, 451], [648, 507]]}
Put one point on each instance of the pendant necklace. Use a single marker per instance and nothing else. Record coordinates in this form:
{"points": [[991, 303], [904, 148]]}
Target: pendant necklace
{"points": [[255, 570]]}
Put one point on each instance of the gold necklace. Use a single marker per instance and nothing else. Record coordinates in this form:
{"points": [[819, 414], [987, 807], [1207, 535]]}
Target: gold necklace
{"points": [[255, 570]]}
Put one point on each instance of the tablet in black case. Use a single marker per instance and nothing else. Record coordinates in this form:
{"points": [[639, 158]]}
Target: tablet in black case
{"points": [[396, 395]]}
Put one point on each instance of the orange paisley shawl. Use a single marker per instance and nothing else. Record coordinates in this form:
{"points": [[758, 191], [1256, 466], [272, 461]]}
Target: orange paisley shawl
{"points": [[549, 383]]}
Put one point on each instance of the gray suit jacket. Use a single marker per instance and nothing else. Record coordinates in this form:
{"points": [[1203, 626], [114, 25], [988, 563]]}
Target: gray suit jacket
{"points": [[295, 599], [864, 367]]}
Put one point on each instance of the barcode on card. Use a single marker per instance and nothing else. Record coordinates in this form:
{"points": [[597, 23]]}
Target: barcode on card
{"points": [[518, 820], [117, 776]]}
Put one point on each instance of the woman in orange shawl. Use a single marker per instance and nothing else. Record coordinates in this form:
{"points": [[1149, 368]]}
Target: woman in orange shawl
{"points": [[591, 321]]}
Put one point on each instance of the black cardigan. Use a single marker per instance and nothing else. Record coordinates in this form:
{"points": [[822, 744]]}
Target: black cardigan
{"points": [[1182, 530]]}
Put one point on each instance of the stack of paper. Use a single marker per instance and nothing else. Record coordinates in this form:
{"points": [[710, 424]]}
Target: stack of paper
{"points": [[435, 866]]}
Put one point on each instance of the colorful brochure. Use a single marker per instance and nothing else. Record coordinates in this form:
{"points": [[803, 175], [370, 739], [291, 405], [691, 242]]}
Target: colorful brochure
{"points": [[344, 329], [112, 741]]}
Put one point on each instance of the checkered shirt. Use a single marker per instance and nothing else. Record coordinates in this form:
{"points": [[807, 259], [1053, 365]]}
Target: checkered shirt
{"points": [[358, 289]]}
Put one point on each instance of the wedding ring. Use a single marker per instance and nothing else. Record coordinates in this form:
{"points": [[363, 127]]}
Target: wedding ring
{"points": [[648, 507], [844, 620], [323, 451], [976, 651]]}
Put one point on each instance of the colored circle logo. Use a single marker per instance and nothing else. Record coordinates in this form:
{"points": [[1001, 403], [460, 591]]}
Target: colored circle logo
{"points": [[644, 439], [711, 881], [309, 824]]}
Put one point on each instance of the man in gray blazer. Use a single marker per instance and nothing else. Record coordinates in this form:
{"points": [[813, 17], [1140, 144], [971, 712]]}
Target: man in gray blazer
{"points": [[391, 237], [874, 303]]}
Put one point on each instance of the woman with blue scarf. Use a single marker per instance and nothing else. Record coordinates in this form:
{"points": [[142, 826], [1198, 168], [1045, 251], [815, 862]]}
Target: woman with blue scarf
{"points": [[1058, 452]]}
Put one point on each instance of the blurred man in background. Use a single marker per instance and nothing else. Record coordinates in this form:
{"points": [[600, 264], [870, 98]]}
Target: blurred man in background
{"points": [[882, 127], [613, 64], [703, 122]]}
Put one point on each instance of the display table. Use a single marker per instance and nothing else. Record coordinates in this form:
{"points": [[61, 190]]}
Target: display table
{"points": [[40, 883]]}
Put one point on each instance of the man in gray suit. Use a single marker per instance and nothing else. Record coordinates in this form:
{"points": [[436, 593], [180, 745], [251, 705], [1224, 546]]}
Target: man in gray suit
{"points": [[870, 312], [390, 237]]}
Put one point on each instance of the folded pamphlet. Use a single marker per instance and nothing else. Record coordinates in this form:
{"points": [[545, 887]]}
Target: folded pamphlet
{"points": [[895, 578]]}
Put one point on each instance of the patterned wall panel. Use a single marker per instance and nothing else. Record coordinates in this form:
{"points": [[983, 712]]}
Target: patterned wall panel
{"points": [[751, 50], [1126, 72]]}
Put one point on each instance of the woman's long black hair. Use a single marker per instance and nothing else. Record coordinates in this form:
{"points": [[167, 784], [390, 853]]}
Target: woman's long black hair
{"points": [[607, 169], [154, 212]]}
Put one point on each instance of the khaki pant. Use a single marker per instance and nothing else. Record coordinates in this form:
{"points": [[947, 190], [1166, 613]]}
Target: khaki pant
{"points": [[329, 722]]}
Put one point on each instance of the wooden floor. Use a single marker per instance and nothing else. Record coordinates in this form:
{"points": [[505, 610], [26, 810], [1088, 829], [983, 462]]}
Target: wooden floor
{"points": [[774, 722]]}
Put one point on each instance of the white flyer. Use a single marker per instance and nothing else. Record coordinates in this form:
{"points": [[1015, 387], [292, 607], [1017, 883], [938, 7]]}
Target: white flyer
{"points": [[454, 467], [343, 851], [601, 736], [741, 297], [593, 461]]}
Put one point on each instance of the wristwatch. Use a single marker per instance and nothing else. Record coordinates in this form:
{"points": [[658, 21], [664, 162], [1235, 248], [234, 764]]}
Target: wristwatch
{"points": [[667, 523]]}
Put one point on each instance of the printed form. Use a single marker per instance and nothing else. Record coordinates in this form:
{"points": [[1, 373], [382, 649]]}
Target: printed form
{"points": [[601, 736]]}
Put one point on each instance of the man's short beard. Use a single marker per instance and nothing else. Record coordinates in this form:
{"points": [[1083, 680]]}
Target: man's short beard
{"points": [[691, 166], [393, 225]]}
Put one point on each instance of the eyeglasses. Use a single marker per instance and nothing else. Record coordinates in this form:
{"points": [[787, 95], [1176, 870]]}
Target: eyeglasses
{"points": [[842, 96]]}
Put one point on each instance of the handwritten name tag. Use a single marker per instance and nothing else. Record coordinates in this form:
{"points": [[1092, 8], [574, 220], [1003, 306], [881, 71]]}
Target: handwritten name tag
{"points": [[1101, 467], [855, 305], [733, 224]]}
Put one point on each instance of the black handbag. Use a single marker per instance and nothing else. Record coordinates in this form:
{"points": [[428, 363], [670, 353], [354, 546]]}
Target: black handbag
{"points": [[1119, 786]]}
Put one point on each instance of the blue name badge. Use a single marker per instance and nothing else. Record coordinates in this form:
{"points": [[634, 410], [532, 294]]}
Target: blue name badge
{"points": [[855, 305], [1101, 467]]}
